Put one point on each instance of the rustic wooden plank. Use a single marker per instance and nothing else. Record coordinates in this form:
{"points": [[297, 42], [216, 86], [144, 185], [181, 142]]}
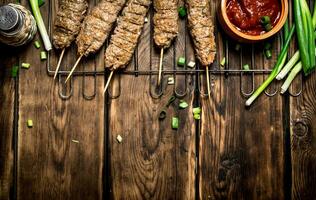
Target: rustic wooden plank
{"points": [[153, 161], [51, 163], [241, 150], [8, 58]]}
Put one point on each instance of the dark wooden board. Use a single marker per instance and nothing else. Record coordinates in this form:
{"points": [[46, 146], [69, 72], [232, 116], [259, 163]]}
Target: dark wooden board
{"points": [[241, 149], [8, 59], [50, 164], [153, 161]]}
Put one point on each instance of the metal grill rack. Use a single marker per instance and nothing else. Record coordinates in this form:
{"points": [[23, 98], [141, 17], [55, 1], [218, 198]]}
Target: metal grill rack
{"points": [[215, 70]]}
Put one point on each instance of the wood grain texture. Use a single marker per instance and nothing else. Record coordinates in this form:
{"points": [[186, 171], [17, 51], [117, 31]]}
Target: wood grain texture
{"points": [[50, 164], [153, 161], [241, 149], [8, 58]]}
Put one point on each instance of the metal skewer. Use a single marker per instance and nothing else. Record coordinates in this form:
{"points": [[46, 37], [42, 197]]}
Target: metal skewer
{"points": [[73, 69], [160, 66], [208, 85], [59, 63], [108, 82]]}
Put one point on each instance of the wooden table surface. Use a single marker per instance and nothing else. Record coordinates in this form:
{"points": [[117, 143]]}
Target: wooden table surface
{"points": [[266, 151]]}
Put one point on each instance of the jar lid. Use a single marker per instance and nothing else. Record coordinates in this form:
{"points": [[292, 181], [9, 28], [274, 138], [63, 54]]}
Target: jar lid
{"points": [[9, 18]]}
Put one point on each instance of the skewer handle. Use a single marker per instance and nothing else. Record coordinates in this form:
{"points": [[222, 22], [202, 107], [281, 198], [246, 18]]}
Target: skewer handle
{"points": [[73, 69], [160, 66], [59, 63], [108, 82]]}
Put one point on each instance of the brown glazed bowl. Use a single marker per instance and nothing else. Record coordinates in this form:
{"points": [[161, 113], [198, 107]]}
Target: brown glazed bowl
{"points": [[234, 33]]}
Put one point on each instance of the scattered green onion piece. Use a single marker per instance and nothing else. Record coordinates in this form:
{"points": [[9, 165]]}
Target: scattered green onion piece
{"points": [[162, 114], [14, 71], [277, 68], [41, 2], [170, 80], [223, 62], [181, 61], [268, 27], [291, 77], [197, 116], [119, 139], [43, 55], [182, 11], [26, 65], [246, 67], [268, 53], [191, 64], [267, 46], [29, 123], [37, 44], [237, 47], [265, 20], [197, 110], [183, 104], [175, 123]]}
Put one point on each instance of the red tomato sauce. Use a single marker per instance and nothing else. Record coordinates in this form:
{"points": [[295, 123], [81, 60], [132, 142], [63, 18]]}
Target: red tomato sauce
{"points": [[246, 14]]}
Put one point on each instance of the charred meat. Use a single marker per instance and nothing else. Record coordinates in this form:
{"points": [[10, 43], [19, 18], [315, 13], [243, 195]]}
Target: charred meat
{"points": [[124, 40], [68, 22]]}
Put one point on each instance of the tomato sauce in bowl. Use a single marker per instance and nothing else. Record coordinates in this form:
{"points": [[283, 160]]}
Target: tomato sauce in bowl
{"points": [[246, 14]]}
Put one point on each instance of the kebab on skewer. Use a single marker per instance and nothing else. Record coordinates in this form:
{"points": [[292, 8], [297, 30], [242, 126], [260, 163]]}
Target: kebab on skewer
{"points": [[165, 26], [96, 28], [67, 25], [125, 37], [202, 32]]}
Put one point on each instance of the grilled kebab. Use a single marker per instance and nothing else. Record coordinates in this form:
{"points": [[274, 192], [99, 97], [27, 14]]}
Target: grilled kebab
{"points": [[96, 28], [165, 26], [124, 40]]}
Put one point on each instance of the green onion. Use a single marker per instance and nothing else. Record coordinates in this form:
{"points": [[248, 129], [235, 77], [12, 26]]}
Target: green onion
{"points": [[196, 110], [237, 47], [181, 61], [268, 27], [26, 65], [182, 11], [268, 54], [265, 20], [267, 46], [197, 116], [246, 67], [191, 64], [14, 71], [291, 77], [40, 24], [289, 66], [277, 68], [43, 55], [223, 62], [37, 44], [29, 123], [41, 2], [183, 104], [175, 123]]}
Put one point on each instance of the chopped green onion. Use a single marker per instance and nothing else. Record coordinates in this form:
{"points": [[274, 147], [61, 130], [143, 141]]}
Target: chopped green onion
{"points": [[183, 104], [182, 11], [43, 55], [291, 77], [246, 67], [37, 44], [267, 46], [268, 54], [237, 47], [162, 114], [119, 138], [265, 20], [14, 71], [268, 27], [175, 123], [223, 62], [170, 80], [146, 20], [26, 65], [181, 61], [197, 110], [40, 24], [75, 141], [41, 2], [191, 64], [29, 123], [197, 116]]}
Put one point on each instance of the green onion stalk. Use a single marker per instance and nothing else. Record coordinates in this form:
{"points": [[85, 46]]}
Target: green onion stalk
{"points": [[40, 24], [277, 68]]}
